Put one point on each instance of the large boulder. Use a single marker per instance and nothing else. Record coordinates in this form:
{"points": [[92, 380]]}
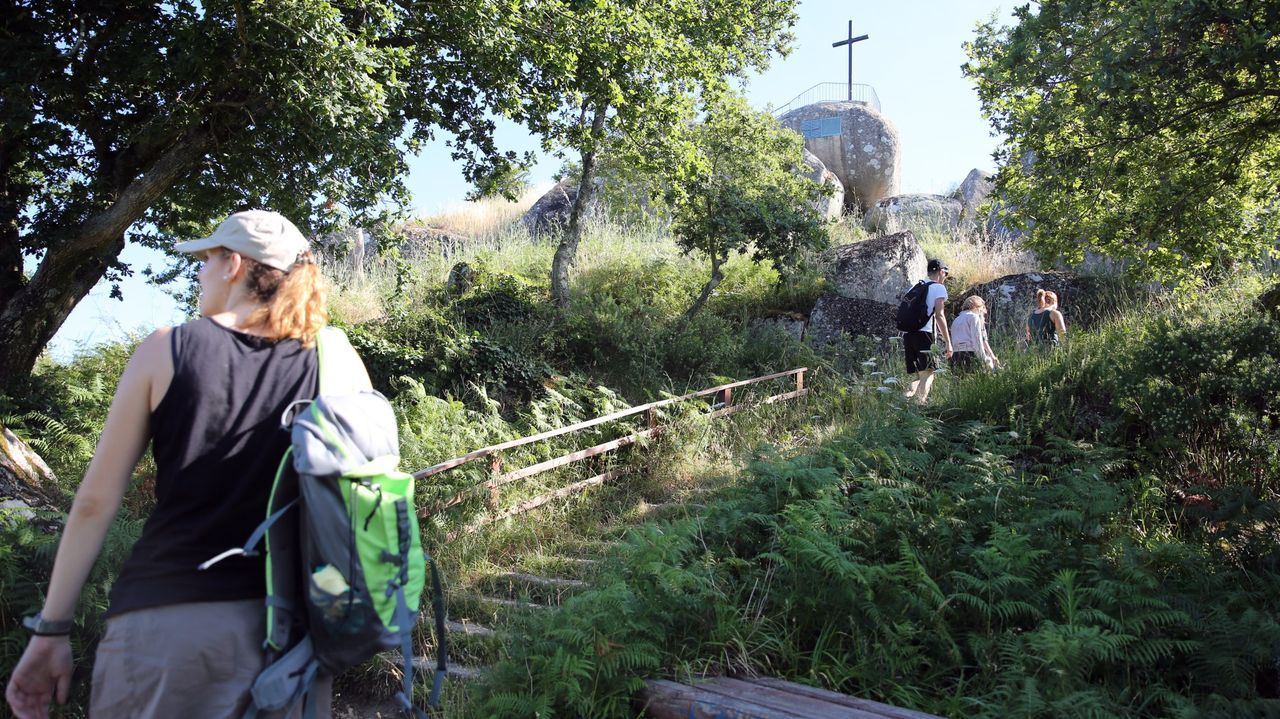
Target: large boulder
{"points": [[879, 269], [856, 143], [834, 316], [917, 212], [832, 206], [422, 241], [550, 214], [973, 192], [1010, 299]]}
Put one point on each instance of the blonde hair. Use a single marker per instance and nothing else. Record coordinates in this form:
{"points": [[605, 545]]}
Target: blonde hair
{"points": [[293, 302], [973, 302], [1046, 299]]}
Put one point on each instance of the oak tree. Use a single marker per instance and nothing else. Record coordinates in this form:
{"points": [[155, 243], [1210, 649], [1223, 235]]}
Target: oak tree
{"points": [[149, 121], [744, 192], [1145, 130]]}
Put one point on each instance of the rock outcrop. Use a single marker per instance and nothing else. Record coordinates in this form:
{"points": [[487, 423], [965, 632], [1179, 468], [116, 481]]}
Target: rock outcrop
{"points": [[974, 191], [832, 206], [835, 316], [421, 241], [25, 479], [550, 214], [461, 279], [1010, 299], [855, 142], [879, 269], [914, 212]]}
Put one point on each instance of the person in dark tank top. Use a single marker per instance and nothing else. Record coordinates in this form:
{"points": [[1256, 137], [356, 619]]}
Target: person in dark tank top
{"points": [[208, 397], [1045, 325]]}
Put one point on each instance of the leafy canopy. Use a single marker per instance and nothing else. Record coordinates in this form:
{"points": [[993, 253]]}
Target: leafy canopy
{"points": [[1145, 130], [742, 191]]}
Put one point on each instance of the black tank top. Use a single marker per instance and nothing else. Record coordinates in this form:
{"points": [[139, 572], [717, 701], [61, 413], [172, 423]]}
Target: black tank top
{"points": [[217, 442], [1042, 328]]}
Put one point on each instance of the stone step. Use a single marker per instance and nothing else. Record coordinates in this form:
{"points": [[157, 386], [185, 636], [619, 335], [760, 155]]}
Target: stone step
{"points": [[426, 666], [470, 629], [553, 582], [512, 603]]}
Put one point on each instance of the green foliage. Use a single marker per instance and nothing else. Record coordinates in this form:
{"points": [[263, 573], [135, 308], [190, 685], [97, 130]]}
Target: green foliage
{"points": [[209, 100], [60, 409], [1142, 130], [964, 567], [743, 192], [26, 559]]}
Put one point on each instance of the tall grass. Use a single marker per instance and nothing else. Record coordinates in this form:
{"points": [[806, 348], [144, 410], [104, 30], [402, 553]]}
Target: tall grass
{"points": [[974, 261], [483, 218]]}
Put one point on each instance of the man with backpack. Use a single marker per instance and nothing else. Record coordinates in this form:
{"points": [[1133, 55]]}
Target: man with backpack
{"points": [[922, 310]]}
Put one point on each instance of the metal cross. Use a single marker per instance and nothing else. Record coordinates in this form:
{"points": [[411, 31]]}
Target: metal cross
{"points": [[850, 40]]}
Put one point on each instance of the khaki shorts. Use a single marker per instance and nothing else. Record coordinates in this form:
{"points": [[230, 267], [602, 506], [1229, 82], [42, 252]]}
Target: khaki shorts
{"points": [[187, 661]]}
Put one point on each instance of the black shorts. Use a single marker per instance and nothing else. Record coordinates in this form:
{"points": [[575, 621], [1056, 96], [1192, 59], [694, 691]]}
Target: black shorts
{"points": [[963, 361], [917, 346]]}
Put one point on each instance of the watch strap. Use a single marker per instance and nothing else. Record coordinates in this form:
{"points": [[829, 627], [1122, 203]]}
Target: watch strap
{"points": [[42, 627]]}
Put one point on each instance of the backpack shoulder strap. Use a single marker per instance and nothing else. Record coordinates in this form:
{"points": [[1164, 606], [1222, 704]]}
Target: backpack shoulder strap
{"points": [[341, 370]]}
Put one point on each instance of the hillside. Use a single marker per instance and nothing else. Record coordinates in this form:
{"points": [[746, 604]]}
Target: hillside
{"points": [[1035, 542]]}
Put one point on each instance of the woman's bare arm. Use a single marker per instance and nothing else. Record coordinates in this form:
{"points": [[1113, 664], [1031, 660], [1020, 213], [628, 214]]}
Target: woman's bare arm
{"points": [[124, 438]]}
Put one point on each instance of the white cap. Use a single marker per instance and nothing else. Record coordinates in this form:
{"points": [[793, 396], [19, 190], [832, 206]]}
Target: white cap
{"points": [[261, 235]]}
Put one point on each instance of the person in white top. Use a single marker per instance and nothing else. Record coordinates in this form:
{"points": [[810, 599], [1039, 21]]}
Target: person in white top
{"points": [[969, 337], [918, 345]]}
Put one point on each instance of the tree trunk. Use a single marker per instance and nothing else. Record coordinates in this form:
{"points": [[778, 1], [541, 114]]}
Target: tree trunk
{"points": [[569, 239], [77, 259], [716, 277]]}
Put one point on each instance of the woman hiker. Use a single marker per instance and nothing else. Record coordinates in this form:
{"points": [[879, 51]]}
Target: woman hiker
{"points": [[1045, 326], [969, 338], [208, 396]]}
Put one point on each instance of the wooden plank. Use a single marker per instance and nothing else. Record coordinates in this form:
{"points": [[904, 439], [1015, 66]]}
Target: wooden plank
{"points": [[663, 699], [778, 699], [883, 710], [610, 446], [427, 666], [742, 383], [726, 411], [621, 414], [785, 396], [537, 502]]}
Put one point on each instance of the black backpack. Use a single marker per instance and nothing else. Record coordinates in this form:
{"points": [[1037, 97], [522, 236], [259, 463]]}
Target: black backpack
{"points": [[914, 310]]}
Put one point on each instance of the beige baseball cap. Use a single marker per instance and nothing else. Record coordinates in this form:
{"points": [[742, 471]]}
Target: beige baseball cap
{"points": [[262, 235]]}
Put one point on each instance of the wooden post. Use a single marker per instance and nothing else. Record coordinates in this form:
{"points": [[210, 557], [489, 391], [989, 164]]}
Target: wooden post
{"points": [[728, 397], [800, 380], [495, 469], [651, 418]]}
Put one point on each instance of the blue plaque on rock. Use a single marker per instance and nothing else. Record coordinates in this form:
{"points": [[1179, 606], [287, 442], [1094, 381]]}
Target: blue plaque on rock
{"points": [[820, 127]]}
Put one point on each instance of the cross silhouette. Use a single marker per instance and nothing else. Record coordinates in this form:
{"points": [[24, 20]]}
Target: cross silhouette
{"points": [[850, 40]]}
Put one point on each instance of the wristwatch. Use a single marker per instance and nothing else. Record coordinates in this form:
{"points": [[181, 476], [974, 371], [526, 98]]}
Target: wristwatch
{"points": [[42, 627]]}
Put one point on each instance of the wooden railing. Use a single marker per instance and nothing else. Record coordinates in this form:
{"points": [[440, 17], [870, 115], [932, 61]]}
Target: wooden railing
{"points": [[722, 405]]}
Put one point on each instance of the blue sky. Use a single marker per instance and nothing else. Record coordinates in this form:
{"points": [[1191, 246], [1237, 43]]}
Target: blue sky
{"points": [[912, 59]]}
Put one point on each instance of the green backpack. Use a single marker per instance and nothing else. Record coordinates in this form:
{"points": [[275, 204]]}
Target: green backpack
{"points": [[345, 572]]}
